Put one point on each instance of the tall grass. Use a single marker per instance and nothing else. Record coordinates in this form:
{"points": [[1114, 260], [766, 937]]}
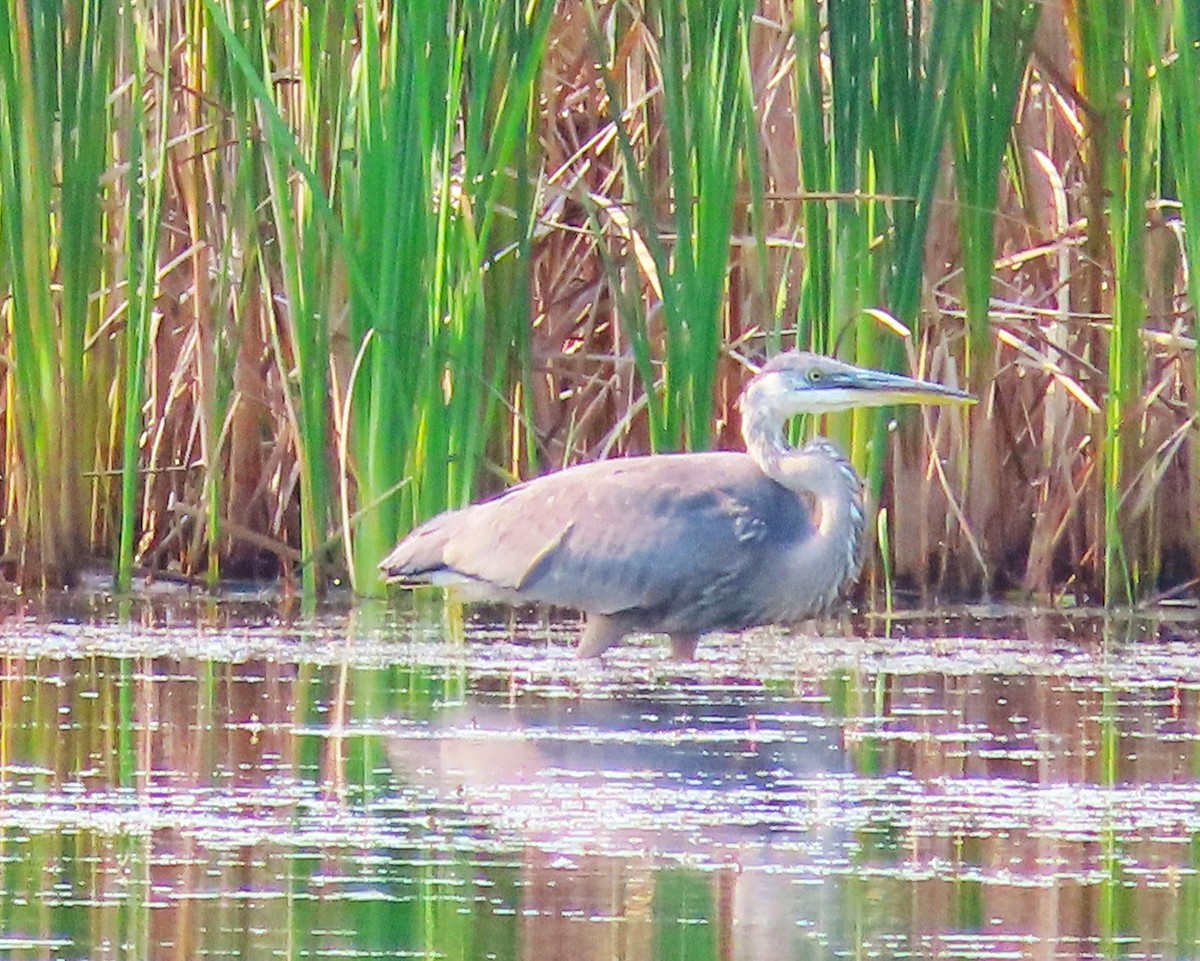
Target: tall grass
{"points": [[702, 59], [1180, 79], [347, 229], [872, 86], [384, 137], [302, 222], [403, 126], [684, 191], [871, 133], [1117, 55], [49, 225], [147, 171], [444, 308], [995, 59]]}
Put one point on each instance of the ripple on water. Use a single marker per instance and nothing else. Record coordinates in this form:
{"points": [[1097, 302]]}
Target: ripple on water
{"points": [[923, 778]]}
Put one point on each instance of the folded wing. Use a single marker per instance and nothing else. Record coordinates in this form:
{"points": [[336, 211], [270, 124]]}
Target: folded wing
{"points": [[684, 539]]}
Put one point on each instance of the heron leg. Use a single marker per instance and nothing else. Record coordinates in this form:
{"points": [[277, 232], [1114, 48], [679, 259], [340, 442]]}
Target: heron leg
{"points": [[599, 635], [683, 647]]}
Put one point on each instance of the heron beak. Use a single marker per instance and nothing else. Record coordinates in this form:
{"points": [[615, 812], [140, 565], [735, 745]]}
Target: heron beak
{"points": [[875, 388]]}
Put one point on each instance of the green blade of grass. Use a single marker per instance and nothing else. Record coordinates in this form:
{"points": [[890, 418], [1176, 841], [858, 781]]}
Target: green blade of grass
{"points": [[1117, 53], [1180, 82], [444, 115], [995, 57], [146, 175], [700, 50], [50, 216]]}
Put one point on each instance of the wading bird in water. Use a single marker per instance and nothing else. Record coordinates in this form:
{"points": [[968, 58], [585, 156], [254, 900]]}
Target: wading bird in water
{"points": [[681, 544]]}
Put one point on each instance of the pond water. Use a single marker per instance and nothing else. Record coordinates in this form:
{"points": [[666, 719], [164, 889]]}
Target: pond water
{"points": [[190, 778]]}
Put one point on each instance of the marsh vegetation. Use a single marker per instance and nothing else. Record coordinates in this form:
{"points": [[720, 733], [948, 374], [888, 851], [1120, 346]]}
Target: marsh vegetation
{"points": [[280, 280]]}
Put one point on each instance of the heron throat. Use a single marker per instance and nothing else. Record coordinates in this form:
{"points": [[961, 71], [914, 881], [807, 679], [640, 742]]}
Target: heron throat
{"points": [[822, 475], [840, 513]]}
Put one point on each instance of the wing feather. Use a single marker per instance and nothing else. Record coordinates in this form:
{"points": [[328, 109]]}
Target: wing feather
{"points": [[677, 537]]}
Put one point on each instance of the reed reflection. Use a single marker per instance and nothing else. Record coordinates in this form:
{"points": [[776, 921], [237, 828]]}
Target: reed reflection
{"points": [[936, 791]]}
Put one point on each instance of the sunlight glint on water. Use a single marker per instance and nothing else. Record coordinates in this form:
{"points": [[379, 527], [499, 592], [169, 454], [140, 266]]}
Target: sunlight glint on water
{"points": [[216, 780]]}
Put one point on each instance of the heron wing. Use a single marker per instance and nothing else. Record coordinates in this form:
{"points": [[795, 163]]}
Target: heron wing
{"points": [[657, 534]]}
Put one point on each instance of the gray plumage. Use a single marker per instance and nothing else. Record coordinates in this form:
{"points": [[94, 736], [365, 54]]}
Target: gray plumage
{"points": [[678, 543]]}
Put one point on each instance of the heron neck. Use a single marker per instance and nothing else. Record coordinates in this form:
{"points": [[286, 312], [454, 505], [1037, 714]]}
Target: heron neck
{"points": [[838, 509], [822, 475], [765, 441]]}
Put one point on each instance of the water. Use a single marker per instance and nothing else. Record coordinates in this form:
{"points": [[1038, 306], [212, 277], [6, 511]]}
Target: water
{"points": [[197, 779]]}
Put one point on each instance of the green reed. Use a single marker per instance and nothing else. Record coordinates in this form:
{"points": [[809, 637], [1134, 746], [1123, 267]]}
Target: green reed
{"points": [[702, 44], [503, 44], [686, 225], [883, 543], [301, 261], [442, 138], [996, 45], [227, 164], [995, 54], [389, 236], [833, 127], [26, 164], [919, 70], [50, 59], [871, 131], [88, 49], [402, 130], [1117, 50], [147, 173], [208, 305], [1179, 77]]}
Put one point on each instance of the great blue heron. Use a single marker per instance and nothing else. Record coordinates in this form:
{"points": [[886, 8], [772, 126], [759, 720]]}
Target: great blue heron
{"points": [[681, 544]]}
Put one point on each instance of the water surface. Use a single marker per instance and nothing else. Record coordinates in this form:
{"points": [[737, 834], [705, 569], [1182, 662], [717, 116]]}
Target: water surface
{"points": [[186, 778]]}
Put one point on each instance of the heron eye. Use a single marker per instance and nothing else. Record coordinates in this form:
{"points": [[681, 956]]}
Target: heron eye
{"points": [[814, 376]]}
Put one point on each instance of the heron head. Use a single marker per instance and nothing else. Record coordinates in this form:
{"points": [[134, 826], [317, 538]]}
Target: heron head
{"points": [[796, 382]]}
